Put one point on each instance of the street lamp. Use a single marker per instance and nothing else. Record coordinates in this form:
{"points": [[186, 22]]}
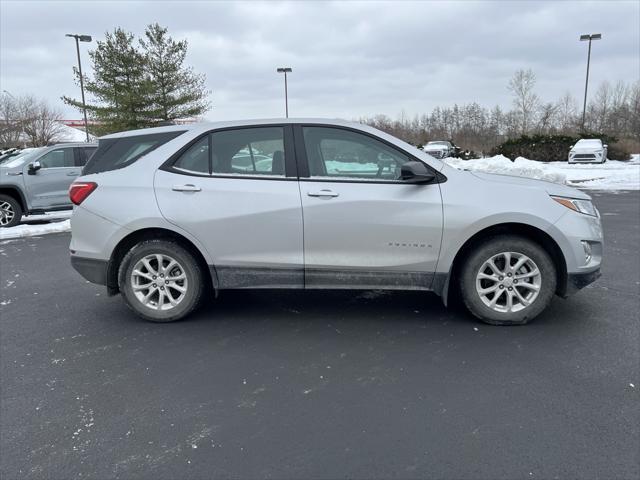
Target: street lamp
{"points": [[285, 70], [584, 38], [81, 38]]}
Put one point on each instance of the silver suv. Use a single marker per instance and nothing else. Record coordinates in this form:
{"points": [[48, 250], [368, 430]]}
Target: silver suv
{"points": [[37, 180], [164, 215]]}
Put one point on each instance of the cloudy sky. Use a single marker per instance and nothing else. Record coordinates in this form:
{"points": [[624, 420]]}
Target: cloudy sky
{"points": [[349, 59]]}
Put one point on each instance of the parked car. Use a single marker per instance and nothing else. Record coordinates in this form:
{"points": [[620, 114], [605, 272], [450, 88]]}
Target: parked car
{"points": [[440, 149], [588, 151], [5, 155], [164, 214], [37, 180]]}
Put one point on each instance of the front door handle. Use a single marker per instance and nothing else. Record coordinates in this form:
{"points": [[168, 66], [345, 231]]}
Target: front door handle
{"points": [[323, 193], [189, 187]]}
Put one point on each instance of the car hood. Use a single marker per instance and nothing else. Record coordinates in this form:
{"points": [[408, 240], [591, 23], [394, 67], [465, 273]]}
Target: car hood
{"points": [[587, 150], [4, 170], [550, 187]]}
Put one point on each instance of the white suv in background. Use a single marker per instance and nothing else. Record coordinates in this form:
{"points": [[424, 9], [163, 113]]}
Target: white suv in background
{"points": [[440, 149], [167, 214], [588, 151]]}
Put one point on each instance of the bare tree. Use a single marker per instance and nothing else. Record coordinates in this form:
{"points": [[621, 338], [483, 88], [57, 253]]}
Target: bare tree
{"points": [[567, 111], [634, 110], [601, 107], [41, 122], [525, 100], [480, 129], [10, 125], [27, 120], [547, 118]]}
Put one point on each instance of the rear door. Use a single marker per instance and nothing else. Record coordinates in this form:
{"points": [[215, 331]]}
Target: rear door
{"points": [[48, 187], [363, 226], [236, 191], [83, 154]]}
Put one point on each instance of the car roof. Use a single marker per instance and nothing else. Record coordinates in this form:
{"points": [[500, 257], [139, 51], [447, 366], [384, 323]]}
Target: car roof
{"points": [[73, 144], [589, 140], [206, 126]]}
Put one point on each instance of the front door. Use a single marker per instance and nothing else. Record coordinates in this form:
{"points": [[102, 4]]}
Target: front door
{"points": [[363, 226], [48, 187], [236, 191]]}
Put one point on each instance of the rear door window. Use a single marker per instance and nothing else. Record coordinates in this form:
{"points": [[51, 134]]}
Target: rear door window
{"points": [[196, 158], [83, 154], [249, 151], [115, 153]]}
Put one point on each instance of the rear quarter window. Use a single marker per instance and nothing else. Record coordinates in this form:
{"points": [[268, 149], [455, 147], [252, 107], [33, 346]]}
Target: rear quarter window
{"points": [[116, 153]]}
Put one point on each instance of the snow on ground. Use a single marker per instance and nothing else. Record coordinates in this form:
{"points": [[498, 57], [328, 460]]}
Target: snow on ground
{"points": [[611, 175], [35, 225]]}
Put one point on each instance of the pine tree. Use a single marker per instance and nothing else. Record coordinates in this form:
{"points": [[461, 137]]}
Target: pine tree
{"points": [[176, 90], [120, 86]]}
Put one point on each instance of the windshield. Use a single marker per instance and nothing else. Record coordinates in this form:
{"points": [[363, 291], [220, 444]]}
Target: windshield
{"points": [[588, 143], [21, 158]]}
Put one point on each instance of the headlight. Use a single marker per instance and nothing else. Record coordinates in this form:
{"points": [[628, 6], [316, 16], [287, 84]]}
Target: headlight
{"points": [[580, 206]]}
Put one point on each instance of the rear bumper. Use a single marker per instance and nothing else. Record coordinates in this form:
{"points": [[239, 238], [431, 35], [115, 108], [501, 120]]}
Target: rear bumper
{"points": [[577, 281], [91, 269]]}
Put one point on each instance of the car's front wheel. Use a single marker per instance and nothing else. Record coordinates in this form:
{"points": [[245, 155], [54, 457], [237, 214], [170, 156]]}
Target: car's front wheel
{"points": [[161, 281], [507, 280], [10, 212]]}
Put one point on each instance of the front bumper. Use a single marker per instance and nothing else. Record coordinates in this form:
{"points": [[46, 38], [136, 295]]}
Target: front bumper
{"points": [[91, 269], [577, 281]]}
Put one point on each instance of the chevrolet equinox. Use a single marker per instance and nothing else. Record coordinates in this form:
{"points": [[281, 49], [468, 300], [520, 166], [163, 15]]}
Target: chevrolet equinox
{"points": [[166, 215]]}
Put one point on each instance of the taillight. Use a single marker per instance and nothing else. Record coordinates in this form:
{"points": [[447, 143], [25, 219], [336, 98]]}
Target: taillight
{"points": [[79, 191]]}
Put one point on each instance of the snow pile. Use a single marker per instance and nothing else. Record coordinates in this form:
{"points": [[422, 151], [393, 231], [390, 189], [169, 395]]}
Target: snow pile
{"points": [[70, 134], [611, 175], [521, 167], [34, 225]]}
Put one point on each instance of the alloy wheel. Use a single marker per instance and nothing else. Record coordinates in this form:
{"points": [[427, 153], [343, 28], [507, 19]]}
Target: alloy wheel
{"points": [[508, 282], [6, 213], [159, 281]]}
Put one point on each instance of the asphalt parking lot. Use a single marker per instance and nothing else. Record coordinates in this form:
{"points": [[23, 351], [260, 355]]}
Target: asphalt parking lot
{"points": [[318, 384]]}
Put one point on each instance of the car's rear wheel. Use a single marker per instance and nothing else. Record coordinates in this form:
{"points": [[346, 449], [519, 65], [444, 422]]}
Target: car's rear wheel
{"points": [[10, 212], [508, 280], [161, 281]]}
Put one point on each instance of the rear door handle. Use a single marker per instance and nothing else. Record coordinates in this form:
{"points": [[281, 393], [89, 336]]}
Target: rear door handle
{"points": [[189, 187], [73, 174], [323, 193]]}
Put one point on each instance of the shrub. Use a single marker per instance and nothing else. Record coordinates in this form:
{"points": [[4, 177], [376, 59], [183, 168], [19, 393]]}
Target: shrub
{"points": [[554, 148]]}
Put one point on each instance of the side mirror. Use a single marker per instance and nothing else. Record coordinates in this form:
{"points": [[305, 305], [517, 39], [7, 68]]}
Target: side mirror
{"points": [[416, 172], [606, 146], [34, 167]]}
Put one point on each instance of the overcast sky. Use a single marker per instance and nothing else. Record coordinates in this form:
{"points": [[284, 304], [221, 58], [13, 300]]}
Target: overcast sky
{"points": [[349, 59]]}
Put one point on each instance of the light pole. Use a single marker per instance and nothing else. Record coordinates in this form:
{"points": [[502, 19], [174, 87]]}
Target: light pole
{"points": [[285, 70], [81, 38], [584, 38]]}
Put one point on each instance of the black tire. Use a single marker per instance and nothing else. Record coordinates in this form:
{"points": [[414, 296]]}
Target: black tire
{"points": [[194, 277], [495, 246], [11, 206]]}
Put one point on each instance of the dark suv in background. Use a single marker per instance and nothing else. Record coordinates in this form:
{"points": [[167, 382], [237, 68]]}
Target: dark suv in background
{"points": [[38, 180]]}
